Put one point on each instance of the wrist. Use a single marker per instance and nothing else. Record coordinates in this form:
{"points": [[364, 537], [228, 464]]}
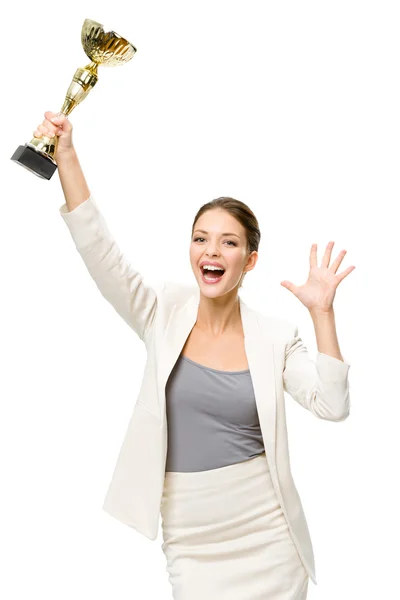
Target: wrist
{"points": [[65, 156], [317, 313]]}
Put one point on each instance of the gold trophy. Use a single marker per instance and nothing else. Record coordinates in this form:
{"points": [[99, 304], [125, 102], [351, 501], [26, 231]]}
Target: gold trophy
{"points": [[108, 49]]}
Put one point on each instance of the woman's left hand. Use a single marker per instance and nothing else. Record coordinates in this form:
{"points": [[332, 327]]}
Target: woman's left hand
{"points": [[318, 292]]}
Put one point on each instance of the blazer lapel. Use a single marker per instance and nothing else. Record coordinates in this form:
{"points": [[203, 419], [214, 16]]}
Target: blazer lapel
{"points": [[259, 352], [260, 356]]}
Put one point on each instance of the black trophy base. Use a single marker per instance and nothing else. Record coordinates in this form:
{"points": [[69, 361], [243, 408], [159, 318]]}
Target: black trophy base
{"points": [[35, 162]]}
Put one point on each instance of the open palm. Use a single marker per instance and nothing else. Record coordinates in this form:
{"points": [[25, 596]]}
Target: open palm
{"points": [[319, 290]]}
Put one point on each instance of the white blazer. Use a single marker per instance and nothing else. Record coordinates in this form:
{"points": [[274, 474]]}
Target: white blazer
{"points": [[163, 316]]}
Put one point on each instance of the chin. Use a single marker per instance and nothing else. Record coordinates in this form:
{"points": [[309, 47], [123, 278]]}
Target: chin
{"points": [[216, 290]]}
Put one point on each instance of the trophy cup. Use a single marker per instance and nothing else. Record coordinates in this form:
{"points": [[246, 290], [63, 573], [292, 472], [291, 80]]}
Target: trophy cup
{"points": [[108, 49]]}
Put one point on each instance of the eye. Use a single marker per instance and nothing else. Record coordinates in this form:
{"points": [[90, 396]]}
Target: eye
{"points": [[201, 238]]}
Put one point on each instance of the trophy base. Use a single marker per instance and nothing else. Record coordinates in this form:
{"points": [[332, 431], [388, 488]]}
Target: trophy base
{"points": [[35, 162]]}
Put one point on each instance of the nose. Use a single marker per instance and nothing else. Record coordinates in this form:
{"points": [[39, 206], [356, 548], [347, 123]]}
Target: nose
{"points": [[211, 251]]}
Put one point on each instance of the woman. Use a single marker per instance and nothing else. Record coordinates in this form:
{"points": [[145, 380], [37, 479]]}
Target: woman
{"points": [[232, 521]]}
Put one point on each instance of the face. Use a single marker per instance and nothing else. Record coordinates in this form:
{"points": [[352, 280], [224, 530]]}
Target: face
{"points": [[219, 238]]}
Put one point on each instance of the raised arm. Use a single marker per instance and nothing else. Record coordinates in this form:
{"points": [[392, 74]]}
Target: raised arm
{"points": [[119, 283], [72, 179]]}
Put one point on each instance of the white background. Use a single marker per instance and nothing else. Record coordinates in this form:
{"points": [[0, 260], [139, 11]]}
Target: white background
{"points": [[291, 107]]}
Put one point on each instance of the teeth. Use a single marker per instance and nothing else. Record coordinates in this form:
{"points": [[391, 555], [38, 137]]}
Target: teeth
{"points": [[212, 268]]}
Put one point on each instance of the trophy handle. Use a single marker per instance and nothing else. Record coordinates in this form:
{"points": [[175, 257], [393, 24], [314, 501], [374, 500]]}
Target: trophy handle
{"points": [[84, 79]]}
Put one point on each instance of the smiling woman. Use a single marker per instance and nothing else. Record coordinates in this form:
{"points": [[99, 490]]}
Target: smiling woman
{"points": [[207, 442], [232, 228]]}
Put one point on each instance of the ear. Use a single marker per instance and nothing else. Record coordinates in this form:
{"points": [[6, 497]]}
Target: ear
{"points": [[251, 261]]}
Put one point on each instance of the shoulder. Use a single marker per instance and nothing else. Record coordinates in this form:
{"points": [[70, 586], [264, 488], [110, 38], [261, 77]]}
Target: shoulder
{"points": [[179, 291], [278, 328], [174, 293]]}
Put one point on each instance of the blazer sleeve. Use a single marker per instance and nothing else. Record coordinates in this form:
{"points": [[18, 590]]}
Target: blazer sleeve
{"points": [[119, 283], [322, 387]]}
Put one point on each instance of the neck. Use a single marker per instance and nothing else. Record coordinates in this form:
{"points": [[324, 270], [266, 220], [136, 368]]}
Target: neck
{"points": [[217, 316]]}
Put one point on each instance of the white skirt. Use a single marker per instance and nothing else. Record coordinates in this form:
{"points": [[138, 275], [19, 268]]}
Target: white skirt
{"points": [[226, 537]]}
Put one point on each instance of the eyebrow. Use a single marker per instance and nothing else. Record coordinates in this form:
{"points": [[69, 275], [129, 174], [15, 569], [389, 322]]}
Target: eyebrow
{"points": [[202, 231]]}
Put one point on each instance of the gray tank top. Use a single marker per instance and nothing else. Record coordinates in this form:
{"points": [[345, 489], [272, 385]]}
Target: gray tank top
{"points": [[212, 418]]}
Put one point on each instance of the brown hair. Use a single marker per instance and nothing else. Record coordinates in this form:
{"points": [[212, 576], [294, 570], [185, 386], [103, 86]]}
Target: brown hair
{"points": [[241, 212]]}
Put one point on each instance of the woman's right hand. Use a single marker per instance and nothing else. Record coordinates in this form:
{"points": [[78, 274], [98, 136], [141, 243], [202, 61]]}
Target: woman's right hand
{"points": [[59, 125]]}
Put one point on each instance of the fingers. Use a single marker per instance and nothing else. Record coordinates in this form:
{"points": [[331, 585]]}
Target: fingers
{"points": [[335, 265], [47, 129], [313, 255], [49, 114], [327, 255], [53, 124]]}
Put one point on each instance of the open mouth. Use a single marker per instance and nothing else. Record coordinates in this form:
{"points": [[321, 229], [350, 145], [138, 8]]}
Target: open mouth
{"points": [[211, 275]]}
